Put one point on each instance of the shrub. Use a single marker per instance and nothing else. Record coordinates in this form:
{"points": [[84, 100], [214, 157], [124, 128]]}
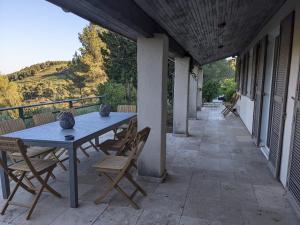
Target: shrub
{"points": [[227, 88], [115, 92], [210, 90]]}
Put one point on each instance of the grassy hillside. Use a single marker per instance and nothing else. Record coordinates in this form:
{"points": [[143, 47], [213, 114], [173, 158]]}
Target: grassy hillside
{"points": [[45, 81]]}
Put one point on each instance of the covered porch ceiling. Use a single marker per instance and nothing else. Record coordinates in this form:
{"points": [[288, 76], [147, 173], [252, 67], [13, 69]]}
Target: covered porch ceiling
{"points": [[207, 30]]}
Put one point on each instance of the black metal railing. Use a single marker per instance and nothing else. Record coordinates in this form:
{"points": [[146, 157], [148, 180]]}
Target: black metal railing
{"points": [[71, 104]]}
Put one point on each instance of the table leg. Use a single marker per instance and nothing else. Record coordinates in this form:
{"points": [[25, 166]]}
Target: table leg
{"points": [[73, 179], [4, 178]]}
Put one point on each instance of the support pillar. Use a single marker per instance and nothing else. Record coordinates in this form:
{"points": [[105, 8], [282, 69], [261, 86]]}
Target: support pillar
{"points": [[199, 91], [181, 96], [193, 96], [152, 69]]}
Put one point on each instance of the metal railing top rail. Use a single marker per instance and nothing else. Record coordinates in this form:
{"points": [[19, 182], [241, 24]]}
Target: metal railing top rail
{"points": [[52, 103]]}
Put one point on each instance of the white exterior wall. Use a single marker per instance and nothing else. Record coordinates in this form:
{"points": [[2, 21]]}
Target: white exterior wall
{"points": [[245, 109], [245, 105]]}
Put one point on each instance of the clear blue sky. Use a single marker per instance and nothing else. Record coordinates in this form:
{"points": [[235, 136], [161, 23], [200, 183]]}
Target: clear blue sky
{"points": [[33, 31]]}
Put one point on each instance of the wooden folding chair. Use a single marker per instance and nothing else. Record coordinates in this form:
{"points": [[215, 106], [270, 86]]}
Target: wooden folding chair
{"points": [[49, 117], [120, 145], [37, 167], [120, 166], [123, 127], [10, 126], [229, 106], [126, 108], [121, 134]]}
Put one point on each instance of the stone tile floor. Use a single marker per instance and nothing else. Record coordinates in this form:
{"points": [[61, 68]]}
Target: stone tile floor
{"points": [[216, 177]]}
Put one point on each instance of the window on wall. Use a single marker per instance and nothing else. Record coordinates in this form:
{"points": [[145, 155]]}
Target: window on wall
{"points": [[253, 65], [244, 73]]}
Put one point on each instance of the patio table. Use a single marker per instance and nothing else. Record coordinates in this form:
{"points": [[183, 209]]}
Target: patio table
{"points": [[88, 127]]}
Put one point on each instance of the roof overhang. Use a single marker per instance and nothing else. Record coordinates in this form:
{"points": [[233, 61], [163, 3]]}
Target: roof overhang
{"points": [[206, 30]]}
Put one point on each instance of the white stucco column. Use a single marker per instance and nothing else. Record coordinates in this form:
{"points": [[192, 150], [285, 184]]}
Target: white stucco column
{"points": [[193, 96], [181, 96], [199, 91], [152, 69]]}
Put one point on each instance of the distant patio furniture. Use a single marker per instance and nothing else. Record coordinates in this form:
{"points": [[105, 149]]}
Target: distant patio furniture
{"points": [[43, 118], [126, 108], [37, 167], [88, 127], [123, 108], [229, 106], [119, 146], [120, 166]]}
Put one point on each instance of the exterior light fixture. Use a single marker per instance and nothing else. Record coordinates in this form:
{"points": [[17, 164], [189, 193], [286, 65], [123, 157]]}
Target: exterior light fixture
{"points": [[222, 25]]}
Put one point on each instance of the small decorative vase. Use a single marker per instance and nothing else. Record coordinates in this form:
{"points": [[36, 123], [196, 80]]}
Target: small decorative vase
{"points": [[104, 110], [66, 120]]}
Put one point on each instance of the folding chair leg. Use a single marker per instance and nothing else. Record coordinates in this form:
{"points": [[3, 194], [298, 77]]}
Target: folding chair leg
{"points": [[94, 146], [114, 184], [50, 189], [38, 195], [84, 152], [58, 161], [27, 180], [134, 205], [24, 186], [12, 193], [138, 187], [53, 176]]}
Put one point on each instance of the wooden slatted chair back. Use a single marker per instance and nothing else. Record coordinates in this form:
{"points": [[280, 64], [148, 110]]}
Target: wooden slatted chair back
{"points": [[142, 137], [137, 144], [43, 118], [10, 145], [132, 129], [126, 108], [9, 126]]}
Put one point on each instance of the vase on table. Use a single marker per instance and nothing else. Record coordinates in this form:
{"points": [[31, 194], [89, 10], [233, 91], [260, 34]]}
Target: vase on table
{"points": [[66, 120], [104, 110]]}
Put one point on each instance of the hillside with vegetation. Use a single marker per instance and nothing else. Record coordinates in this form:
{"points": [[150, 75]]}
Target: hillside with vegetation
{"points": [[104, 64]]}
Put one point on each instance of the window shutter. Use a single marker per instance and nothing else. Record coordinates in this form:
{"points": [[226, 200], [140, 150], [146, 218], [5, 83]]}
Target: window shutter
{"points": [[253, 73], [294, 167], [280, 93], [259, 89], [245, 72], [242, 75]]}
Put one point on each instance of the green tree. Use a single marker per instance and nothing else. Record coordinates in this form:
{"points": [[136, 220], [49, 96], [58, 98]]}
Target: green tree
{"points": [[91, 54], [214, 75], [120, 61], [218, 70], [115, 92], [227, 88], [9, 94], [210, 90]]}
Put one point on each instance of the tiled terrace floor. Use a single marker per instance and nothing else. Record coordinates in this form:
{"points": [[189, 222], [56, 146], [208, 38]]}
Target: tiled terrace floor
{"points": [[216, 177]]}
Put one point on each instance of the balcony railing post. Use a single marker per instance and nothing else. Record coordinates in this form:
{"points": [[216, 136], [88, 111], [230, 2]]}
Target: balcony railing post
{"points": [[21, 113], [70, 104], [100, 100]]}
